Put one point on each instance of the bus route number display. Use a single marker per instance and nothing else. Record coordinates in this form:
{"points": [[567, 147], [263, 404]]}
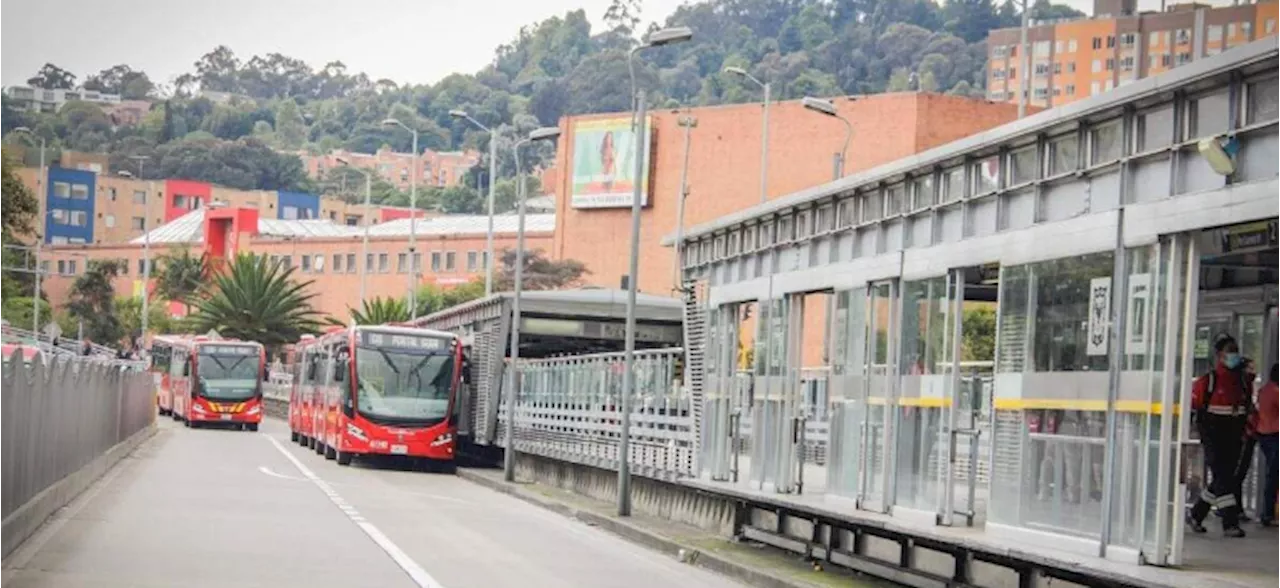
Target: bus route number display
{"points": [[228, 350], [402, 341]]}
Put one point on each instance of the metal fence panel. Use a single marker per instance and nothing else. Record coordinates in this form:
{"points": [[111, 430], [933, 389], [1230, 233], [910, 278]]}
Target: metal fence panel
{"points": [[60, 412]]}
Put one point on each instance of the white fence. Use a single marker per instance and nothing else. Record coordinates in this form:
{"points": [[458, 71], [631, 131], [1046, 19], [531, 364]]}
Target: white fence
{"points": [[569, 409]]}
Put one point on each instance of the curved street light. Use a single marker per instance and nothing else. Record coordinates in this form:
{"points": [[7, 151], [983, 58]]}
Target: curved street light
{"points": [[40, 179], [513, 381], [493, 177], [828, 108], [659, 38], [764, 131], [413, 217]]}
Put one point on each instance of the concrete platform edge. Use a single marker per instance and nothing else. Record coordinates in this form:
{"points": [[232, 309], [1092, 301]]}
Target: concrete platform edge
{"points": [[28, 518], [637, 535]]}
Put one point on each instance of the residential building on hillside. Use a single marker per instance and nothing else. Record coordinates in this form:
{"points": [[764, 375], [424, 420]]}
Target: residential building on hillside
{"points": [[439, 168], [29, 98], [1073, 59], [82, 206]]}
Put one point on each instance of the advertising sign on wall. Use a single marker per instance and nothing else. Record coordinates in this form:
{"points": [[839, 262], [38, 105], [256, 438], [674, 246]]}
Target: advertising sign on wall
{"points": [[604, 164]]}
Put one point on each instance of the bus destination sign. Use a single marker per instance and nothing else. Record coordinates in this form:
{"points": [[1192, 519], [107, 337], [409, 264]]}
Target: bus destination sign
{"points": [[402, 341], [228, 350]]}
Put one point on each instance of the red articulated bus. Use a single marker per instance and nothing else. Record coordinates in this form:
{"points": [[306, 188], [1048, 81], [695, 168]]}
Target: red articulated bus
{"points": [[215, 381], [301, 415], [161, 358], [378, 390]]}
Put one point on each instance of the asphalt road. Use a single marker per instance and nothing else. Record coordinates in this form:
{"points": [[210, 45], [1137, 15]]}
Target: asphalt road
{"points": [[199, 508]]}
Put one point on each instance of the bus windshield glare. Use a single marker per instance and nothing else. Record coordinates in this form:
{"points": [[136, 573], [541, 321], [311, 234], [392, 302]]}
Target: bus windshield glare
{"points": [[228, 372], [407, 381]]}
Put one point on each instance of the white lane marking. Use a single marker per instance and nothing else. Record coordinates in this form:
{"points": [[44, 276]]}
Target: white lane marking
{"points": [[402, 559], [268, 471]]}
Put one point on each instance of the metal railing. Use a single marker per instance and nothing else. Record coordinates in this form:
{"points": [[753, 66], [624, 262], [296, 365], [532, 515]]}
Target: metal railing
{"points": [[59, 412], [59, 345], [568, 409]]}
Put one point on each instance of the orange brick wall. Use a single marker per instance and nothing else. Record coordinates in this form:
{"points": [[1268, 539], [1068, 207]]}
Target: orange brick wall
{"points": [[335, 292], [724, 168]]}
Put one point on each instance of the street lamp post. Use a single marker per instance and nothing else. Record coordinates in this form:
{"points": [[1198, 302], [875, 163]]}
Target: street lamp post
{"points": [[413, 218], [688, 123], [828, 108], [659, 38], [764, 132], [146, 243], [513, 380], [493, 176], [40, 180], [364, 244]]}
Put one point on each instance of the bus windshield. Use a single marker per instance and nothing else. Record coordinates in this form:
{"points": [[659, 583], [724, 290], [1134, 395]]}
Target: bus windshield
{"points": [[405, 385], [228, 372]]}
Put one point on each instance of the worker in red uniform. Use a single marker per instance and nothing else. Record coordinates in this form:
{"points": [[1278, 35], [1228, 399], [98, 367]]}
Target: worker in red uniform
{"points": [[1268, 425], [1222, 409]]}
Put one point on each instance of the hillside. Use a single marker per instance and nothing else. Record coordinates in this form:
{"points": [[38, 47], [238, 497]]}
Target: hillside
{"points": [[556, 67]]}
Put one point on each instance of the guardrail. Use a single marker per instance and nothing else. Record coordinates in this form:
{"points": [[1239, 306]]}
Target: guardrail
{"points": [[569, 409], [58, 414]]}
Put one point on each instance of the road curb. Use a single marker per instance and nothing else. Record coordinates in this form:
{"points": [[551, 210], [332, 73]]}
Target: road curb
{"points": [[639, 535]]}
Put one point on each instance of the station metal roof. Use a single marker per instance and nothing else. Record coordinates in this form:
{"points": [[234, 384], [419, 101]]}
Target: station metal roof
{"points": [[1094, 105], [189, 228], [465, 225]]}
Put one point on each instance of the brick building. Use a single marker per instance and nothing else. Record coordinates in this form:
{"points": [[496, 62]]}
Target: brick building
{"points": [[439, 168], [1078, 58], [452, 252], [724, 167]]}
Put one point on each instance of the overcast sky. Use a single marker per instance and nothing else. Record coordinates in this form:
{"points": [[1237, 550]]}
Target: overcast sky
{"points": [[417, 41]]}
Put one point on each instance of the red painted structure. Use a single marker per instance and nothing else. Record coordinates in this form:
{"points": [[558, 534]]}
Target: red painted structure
{"points": [[183, 196]]}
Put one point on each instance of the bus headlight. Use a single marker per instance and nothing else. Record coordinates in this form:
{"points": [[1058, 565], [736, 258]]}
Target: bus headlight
{"points": [[255, 409], [444, 439], [355, 431], [197, 407]]}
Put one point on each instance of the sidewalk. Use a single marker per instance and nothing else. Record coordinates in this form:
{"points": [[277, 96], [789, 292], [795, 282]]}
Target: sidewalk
{"points": [[747, 563]]}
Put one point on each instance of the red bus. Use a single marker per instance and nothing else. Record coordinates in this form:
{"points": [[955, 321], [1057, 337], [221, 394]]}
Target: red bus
{"points": [[161, 356], [301, 415], [216, 381], [379, 390]]}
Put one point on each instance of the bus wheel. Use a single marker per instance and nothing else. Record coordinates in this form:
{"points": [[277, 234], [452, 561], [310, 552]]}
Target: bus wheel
{"points": [[186, 424], [319, 448], [252, 427], [329, 453], [344, 458], [293, 436]]}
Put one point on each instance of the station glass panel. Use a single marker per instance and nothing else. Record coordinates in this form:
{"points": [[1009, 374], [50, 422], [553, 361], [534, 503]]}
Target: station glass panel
{"points": [[1050, 395]]}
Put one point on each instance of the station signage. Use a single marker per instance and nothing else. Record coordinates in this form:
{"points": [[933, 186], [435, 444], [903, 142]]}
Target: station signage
{"points": [[402, 341], [228, 350], [598, 330], [1249, 236]]}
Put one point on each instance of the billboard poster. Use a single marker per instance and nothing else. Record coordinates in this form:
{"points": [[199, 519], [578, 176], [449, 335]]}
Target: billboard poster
{"points": [[604, 163]]}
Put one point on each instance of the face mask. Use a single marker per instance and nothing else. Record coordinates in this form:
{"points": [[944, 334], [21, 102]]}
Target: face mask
{"points": [[1232, 360]]}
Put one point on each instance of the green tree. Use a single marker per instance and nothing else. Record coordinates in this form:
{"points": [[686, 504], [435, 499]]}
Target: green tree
{"points": [[381, 311], [52, 77], [978, 342], [18, 310], [121, 79], [129, 310], [92, 300], [291, 129], [180, 276], [433, 298], [20, 204], [540, 273], [255, 300]]}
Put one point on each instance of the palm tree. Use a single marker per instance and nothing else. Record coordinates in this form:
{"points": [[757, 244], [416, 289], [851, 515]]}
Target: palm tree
{"points": [[181, 276], [381, 311], [254, 300]]}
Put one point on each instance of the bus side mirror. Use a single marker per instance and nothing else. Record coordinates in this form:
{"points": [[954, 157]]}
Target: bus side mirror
{"points": [[339, 371], [311, 370], [186, 368], [266, 375]]}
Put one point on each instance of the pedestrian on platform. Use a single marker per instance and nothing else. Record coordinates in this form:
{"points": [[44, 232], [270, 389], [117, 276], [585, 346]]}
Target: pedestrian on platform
{"points": [[1250, 441], [1221, 408], [1268, 426]]}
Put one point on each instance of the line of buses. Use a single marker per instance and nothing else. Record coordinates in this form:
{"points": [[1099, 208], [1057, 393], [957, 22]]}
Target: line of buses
{"points": [[356, 391]]}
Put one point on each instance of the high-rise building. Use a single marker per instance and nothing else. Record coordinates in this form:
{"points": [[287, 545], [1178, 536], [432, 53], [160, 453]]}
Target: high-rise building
{"points": [[1071, 59]]}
